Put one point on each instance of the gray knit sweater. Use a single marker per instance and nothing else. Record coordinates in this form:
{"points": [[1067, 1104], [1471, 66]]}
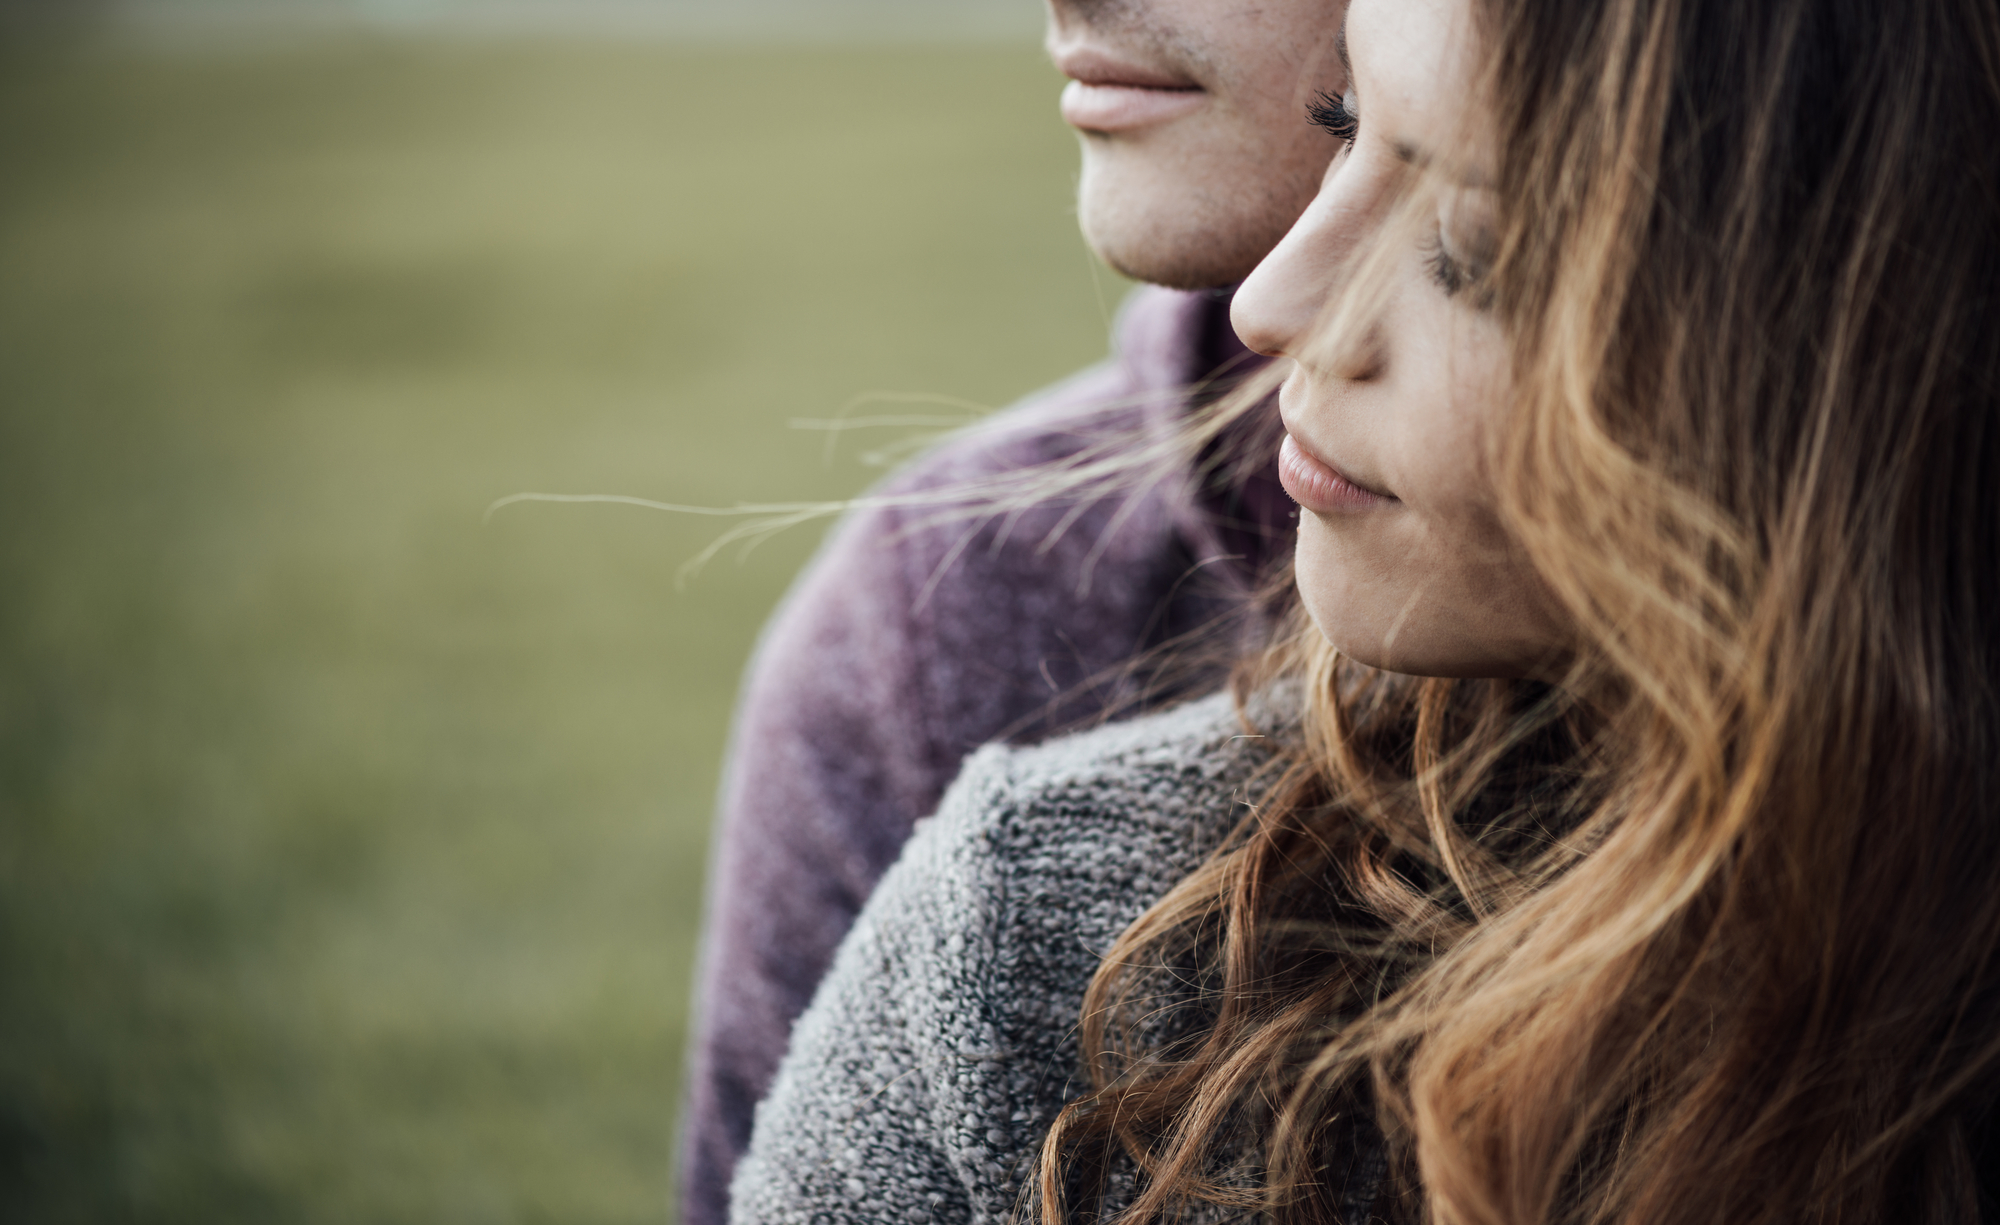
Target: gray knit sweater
{"points": [[942, 1044]]}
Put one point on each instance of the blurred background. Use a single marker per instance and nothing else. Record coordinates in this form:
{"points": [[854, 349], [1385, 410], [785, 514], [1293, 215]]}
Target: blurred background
{"points": [[350, 843]]}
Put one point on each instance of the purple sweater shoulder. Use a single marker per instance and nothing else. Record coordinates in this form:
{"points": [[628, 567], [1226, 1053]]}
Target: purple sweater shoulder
{"points": [[912, 639]]}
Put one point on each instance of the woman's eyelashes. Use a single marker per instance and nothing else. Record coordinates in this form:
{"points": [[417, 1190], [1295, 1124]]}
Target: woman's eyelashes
{"points": [[1455, 273], [1450, 275], [1339, 116]]}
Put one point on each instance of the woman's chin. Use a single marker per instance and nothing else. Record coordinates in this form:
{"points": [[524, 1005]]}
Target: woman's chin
{"points": [[1430, 645]]}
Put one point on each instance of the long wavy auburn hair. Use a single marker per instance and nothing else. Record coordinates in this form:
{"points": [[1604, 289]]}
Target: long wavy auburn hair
{"points": [[1705, 929]]}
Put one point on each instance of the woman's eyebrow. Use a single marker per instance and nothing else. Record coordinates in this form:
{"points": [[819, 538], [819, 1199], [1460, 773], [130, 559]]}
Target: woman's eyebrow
{"points": [[1340, 50], [1421, 159]]}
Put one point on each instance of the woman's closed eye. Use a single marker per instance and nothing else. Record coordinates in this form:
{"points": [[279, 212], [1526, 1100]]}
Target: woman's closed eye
{"points": [[1339, 116], [1451, 273], [1460, 250]]}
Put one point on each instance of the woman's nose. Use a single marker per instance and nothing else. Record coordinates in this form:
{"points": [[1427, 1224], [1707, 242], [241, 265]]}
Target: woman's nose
{"points": [[1276, 308], [1278, 302]]}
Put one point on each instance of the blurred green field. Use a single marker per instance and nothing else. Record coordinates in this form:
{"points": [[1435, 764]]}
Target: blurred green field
{"points": [[350, 847]]}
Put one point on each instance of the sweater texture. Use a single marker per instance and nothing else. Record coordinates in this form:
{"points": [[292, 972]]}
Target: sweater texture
{"points": [[910, 641], [942, 1044]]}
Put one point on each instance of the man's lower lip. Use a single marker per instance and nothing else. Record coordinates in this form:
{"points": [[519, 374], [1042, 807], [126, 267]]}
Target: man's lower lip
{"points": [[1319, 488], [1120, 108]]}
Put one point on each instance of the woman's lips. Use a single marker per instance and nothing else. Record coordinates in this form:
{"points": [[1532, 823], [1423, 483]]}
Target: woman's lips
{"points": [[1111, 106], [1318, 486]]}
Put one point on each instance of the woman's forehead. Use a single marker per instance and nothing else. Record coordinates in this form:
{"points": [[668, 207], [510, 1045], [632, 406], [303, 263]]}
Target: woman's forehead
{"points": [[1415, 68]]}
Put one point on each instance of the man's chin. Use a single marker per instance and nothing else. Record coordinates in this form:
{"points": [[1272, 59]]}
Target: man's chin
{"points": [[1178, 239], [1176, 256], [1169, 274]]}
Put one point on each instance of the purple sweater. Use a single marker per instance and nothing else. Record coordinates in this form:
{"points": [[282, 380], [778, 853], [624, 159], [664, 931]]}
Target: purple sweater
{"points": [[909, 642]]}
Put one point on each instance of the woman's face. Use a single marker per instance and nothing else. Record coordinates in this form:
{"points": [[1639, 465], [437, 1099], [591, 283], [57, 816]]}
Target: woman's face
{"points": [[1402, 561]]}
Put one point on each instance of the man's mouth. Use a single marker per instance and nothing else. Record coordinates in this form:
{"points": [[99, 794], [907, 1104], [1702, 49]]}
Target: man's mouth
{"points": [[1108, 93]]}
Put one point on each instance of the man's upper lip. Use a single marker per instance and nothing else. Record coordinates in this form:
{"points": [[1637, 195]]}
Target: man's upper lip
{"points": [[1095, 66]]}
